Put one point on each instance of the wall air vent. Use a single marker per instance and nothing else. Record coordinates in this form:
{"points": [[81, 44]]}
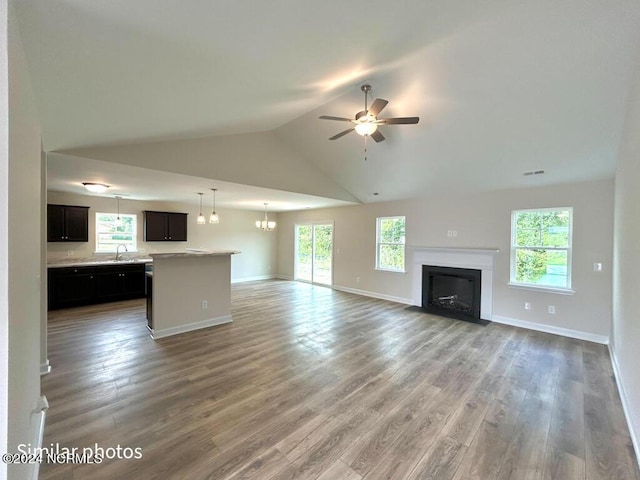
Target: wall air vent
{"points": [[533, 172]]}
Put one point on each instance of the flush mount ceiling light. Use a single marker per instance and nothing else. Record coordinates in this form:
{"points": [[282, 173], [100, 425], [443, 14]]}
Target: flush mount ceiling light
{"points": [[95, 187], [265, 225], [214, 216], [200, 220]]}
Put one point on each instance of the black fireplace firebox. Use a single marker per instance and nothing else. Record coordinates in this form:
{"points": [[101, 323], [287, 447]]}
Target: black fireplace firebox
{"points": [[452, 292]]}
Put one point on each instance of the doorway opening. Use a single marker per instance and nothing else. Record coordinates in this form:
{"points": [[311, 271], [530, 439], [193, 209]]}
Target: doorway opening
{"points": [[314, 253]]}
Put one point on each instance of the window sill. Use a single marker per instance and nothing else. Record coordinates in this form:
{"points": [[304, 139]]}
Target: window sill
{"points": [[391, 271], [536, 288]]}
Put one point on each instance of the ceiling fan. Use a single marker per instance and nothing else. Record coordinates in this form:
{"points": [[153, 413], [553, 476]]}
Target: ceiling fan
{"points": [[366, 122]]}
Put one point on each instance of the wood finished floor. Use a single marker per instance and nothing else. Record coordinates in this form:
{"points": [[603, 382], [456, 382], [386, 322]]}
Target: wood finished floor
{"points": [[311, 383]]}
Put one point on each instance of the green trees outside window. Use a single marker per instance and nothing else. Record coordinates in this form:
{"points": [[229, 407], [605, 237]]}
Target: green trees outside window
{"points": [[111, 232], [541, 247], [390, 243]]}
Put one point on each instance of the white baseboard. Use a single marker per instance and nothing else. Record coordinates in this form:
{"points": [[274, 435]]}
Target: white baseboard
{"points": [[167, 332], [45, 368], [253, 279], [284, 277], [38, 419], [635, 436], [381, 296], [541, 327]]}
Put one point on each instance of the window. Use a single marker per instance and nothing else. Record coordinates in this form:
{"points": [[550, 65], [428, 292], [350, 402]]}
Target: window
{"points": [[390, 244], [110, 233], [541, 247]]}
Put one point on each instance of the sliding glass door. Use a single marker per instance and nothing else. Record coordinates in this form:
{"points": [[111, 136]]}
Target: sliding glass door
{"points": [[314, 253]]}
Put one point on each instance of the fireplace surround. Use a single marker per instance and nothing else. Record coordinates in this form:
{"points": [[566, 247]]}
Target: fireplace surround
{"points": [[481, 259]]}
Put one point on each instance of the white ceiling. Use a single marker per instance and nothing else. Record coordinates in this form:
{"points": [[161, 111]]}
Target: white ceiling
{"points": [[501, 87]]}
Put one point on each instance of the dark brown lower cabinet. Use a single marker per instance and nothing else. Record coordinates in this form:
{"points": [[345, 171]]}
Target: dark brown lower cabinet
{"points": [[75, 286]]}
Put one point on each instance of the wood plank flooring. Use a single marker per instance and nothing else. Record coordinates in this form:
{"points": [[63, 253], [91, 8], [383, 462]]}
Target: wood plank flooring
{"points": [[311, 383]]}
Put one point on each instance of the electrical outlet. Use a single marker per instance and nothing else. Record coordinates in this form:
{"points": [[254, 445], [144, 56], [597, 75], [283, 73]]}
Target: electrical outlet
{"points": [[205, 304], [551, 309], [357, 279], [527, 306], [455, 233], [69, 253], [449, 233]]}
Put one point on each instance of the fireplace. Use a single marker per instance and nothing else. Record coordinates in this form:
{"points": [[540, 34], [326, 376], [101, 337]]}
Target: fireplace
{"points": [[481, 259], [452, 292]]}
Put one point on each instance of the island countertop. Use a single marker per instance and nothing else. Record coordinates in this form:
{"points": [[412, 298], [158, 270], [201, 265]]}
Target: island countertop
{"points": [[194, 253]]}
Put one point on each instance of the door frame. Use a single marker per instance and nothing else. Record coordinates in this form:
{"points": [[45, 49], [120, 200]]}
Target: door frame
{"points": [[312, 223]]}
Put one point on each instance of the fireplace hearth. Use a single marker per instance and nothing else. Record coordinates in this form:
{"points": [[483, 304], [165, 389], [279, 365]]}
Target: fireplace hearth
{"points": [[452, 292]]}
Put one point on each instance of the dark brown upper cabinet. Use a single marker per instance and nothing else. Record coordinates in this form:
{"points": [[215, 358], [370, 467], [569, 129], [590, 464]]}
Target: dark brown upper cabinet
{"points": [[165, 226], [67, 223]]}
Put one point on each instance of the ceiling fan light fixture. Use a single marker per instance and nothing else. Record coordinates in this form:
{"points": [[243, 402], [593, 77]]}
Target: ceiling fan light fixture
{"points": [[366, 127]]}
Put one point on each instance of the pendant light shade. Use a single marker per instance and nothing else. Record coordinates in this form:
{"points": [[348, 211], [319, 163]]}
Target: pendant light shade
{"points": [[213, 218], [200, 220], [265, 225]]}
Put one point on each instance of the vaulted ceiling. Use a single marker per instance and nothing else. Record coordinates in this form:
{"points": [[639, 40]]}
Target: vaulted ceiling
{"points": [[231, 92]]}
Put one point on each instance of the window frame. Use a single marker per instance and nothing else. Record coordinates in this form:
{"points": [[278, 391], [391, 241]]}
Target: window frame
{"points": [[379, 244], [514, 249], [133, 247]]}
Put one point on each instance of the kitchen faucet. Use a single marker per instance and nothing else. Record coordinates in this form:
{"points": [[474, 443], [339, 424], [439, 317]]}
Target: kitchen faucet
{"points": [[118, 254]]}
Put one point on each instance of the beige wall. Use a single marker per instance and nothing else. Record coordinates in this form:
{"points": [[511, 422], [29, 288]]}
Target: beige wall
{"points": [[4, 227], [24, 243], [625, 333], [236, 231], [181, 284], [257, 158], [482, 221]]}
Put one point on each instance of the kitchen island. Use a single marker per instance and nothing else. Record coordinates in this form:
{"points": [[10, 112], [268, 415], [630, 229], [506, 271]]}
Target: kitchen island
{"points": [[190, 291]]}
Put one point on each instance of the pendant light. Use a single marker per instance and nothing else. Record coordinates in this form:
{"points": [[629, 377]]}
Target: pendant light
{"points": [[214, 216], [118, 221], [265, 225], [200, 220]]}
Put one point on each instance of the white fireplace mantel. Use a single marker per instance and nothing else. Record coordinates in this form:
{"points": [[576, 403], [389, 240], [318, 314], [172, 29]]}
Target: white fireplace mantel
{"points": [[474, 258]]}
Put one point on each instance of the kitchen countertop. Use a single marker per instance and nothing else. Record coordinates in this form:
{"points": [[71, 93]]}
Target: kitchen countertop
{"points": [[94, 262], [194, 253]]}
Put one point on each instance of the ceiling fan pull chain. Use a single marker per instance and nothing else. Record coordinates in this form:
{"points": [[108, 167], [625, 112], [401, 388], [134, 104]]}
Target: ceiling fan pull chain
{"points": [[365, 148]]}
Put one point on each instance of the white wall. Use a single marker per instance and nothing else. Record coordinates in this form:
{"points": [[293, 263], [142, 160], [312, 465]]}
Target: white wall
{"points": [[236, 231], [482, 221], [625, 333], [24, 242]]}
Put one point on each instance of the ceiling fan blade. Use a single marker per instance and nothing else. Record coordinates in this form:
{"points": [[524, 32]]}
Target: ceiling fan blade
{"points": [[377, 136], [377, 106], [340, 119], [342, 134], [398, 121]]}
